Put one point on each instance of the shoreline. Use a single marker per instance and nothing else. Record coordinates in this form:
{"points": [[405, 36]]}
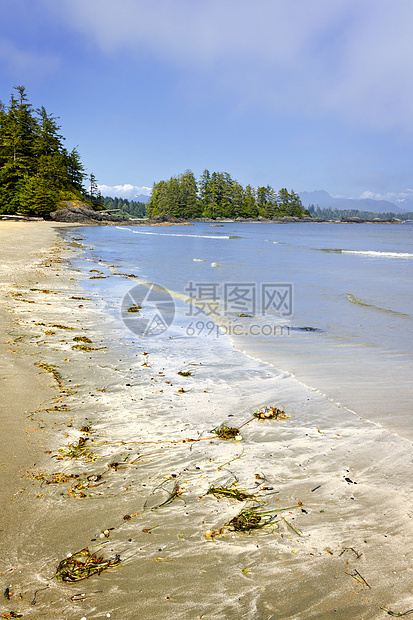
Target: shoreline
{"points": [[174, 221], [23, 386], [353, 481]]}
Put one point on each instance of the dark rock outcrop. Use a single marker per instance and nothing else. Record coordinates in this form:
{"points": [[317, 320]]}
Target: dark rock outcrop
{"points": [[70, 211], [167, 218], [376, 220]]}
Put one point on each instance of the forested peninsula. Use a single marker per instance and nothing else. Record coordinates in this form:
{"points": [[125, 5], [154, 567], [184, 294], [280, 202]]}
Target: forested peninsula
{"points": [[218, 195]]}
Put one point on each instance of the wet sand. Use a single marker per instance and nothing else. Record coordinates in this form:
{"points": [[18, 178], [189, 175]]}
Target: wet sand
{"points": [[343, 549], [23, 386]]}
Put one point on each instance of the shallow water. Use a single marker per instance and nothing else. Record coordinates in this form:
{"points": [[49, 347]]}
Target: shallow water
{"points": [[329, 303]]}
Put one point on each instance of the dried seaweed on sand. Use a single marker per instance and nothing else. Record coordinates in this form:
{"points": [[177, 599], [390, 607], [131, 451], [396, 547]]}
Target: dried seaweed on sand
{"points": [[270, 413], [174, 494], [231, 492], [226, 432], [254, 518], [83, 564], [134, 308], [249, 519], [77, 450]]}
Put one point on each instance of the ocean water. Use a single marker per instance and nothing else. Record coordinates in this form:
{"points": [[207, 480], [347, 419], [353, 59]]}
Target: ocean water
{"points": [[328, 304]]}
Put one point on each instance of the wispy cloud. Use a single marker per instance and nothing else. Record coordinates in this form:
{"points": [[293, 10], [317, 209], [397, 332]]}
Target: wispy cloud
{"points": [[124, 191], [406, 194], [346, 58], [25, 62]]}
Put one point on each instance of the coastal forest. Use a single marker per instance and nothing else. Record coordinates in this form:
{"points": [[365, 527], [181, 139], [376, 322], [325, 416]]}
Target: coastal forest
{"points": [[37, 173], [336, 215], [124, 207], [36, 170], [217, 194]]}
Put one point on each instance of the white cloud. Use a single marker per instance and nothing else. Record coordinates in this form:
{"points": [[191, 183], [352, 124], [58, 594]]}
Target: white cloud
{"points": [[406, 194], [347, 58], [124, 191]]}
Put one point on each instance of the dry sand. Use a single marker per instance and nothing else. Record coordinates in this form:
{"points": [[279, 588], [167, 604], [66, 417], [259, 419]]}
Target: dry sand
{"points": [[344, 550]]}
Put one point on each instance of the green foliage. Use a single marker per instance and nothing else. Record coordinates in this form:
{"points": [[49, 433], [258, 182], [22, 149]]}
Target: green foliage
{"points": [[127, 208], [219, 195], [36, 195], [266, 201], [36, 171], [327, 213], [177, 197], [75, 170]]}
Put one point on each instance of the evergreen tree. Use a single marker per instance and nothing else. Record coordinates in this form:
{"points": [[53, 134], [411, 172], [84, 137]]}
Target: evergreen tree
{"points": [[17, 135], [266, 201], [34, 165], [189, 204], [172, 199], [47, 140], [156, 201], [218, 195], [75, 170], [250, 204], [226, 206], [205, 197], [237, 200], [221, 194], [36, 196], [53, 169], [290, 203], [177, 197], [93, 188], [128, 208]]}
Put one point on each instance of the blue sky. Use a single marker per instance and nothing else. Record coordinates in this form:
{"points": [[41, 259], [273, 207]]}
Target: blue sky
{"points": [[303, 94]]}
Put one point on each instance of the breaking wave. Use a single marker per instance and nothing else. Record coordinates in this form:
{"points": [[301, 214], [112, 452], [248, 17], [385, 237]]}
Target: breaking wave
{"points": [[144, 232], [373, 253], [360, 302]]}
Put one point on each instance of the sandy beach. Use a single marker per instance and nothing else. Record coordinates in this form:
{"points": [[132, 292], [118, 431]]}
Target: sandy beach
{"points": [[104, 446], [23, 386]]}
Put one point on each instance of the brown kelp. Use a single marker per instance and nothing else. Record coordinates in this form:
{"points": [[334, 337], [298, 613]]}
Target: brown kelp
{"points": [[226, 432], [231, 492], [83, 564], [270, 413]]}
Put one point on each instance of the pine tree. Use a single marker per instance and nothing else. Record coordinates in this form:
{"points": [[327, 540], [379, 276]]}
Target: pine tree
{"points": [[34, 165], [35, 196], [47, 140], [238, 200], [250, 205], [290, 203], [157, 200], [205, 195], [75, 170], [189, 203], [218, 195], [266, 201]]}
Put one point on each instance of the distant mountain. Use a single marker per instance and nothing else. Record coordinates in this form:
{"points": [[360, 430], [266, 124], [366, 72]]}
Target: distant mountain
{"points": [[405, 205], [324, 200], [127, 191], [140, 198]]}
